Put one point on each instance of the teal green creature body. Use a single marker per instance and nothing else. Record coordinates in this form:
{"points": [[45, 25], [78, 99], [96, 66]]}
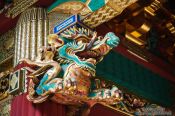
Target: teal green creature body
{"points": [[72, 57]]}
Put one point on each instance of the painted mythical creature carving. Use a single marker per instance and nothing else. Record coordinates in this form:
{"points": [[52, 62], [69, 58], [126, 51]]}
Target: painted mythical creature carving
{"points": [[67, 67]]}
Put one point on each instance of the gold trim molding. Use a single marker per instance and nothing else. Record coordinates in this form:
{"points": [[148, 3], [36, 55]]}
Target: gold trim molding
{"points": [[109, 11]]}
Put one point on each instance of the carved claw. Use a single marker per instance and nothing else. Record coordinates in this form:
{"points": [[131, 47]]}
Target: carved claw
{"points": [[71, 84]]}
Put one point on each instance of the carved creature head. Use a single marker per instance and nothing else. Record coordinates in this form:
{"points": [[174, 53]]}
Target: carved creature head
{"points": [[82, 46], [93, 46]]}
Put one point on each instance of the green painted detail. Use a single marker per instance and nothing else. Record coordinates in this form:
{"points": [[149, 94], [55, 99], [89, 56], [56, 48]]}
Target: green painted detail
{"points": [[96, 4], [93, 4], [84, 1], [72, 57], [136, 79]]}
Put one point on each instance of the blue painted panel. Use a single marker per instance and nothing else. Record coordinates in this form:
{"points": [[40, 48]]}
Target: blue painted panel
{"points": [[66, 23]]}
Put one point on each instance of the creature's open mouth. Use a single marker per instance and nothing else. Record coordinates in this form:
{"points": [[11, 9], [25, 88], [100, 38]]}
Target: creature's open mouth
{"points": [[91, 57], [93, 54]]}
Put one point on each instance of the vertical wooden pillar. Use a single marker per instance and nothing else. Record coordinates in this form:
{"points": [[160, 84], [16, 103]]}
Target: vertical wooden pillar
{"points": [[31, 33]]}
